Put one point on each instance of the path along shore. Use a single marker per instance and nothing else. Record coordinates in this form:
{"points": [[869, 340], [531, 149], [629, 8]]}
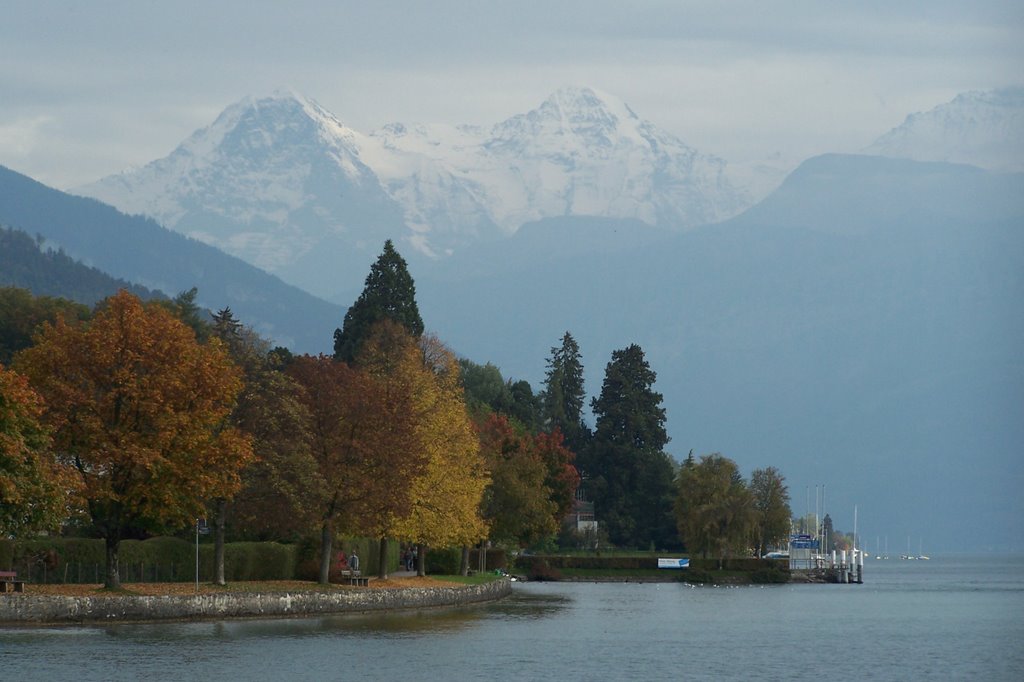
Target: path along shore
{"points": [[36, 609]]}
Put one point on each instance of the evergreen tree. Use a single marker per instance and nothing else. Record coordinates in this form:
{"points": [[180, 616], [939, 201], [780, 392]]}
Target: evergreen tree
{"points": [[389, 293], [563, 394], [629, 476], [226, 327], [185, 308]]}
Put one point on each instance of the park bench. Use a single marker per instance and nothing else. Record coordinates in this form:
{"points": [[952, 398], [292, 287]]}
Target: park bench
{"points": [[355, 578], [9, 580]]}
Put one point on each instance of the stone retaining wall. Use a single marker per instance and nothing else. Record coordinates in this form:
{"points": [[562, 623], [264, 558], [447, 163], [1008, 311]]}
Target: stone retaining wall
{"points": [[29, 608]]}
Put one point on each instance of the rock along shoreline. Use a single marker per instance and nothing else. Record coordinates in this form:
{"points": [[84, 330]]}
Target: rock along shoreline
{"points": [[29, 609]]}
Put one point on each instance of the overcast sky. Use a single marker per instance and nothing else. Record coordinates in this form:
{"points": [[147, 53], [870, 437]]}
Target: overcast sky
{"points": [[90, 88]]}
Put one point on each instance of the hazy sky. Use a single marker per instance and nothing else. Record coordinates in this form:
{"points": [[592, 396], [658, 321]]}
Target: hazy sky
{"points": [[90, 88]]}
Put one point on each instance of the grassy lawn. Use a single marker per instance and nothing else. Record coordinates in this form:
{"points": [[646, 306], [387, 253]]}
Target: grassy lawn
{"points": [[475, 579]]}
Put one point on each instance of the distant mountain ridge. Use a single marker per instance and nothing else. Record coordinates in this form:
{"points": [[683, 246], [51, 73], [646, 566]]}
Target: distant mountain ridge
{"points": [[981, 128], [283, 184], [140, 251]]}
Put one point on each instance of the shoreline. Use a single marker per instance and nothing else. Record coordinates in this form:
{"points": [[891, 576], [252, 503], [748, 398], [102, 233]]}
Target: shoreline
{"points": [[32, 609]]}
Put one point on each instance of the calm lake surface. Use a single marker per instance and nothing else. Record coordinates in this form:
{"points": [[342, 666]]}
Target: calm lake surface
{"points": [[950, 618]]}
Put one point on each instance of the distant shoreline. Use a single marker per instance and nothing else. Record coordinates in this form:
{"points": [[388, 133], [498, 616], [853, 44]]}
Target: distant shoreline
{"points": [[37, 609]]}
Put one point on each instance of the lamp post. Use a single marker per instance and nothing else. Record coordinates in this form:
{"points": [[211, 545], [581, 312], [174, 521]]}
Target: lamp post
{"points": [[201, 528]]}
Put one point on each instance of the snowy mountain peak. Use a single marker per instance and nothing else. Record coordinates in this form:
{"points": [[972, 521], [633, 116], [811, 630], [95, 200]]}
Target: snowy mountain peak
{"points": [[570, 113], [583, 106], [981, 128]]}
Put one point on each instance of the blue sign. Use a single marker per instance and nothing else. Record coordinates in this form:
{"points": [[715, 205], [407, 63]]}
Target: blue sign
{"points": [[673, 563]]}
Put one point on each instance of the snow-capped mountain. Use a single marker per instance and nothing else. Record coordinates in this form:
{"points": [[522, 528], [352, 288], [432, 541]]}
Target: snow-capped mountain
{"points": [[275, 181], [984, 129], [284, 184], [580, 152]]}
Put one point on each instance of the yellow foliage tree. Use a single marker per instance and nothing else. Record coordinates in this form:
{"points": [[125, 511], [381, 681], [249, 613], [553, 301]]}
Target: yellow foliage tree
{"points": [[444, 509], [138, 409]]}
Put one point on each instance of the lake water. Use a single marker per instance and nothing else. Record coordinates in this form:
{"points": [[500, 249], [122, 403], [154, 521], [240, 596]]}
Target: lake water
{"points": [[950, 618]]}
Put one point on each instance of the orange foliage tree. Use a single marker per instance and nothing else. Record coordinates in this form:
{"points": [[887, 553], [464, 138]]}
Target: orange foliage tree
{"points": [[32, 485], [359, 437], [137, 408], [533, 481], [393, 363]]}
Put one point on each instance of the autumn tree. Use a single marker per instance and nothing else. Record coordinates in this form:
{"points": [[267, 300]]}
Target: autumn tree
{"points": [[516, 504], [561, 477], [713, 506], [363, 436], [533, 481], [32, 494], [389, 293], [271, 500], [137, 407], [628, 474], [393, 363], [331, 394], [444, 506], [771, 510]]}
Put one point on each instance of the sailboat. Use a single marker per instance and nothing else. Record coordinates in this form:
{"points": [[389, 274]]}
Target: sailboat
{"points": [[908, 555], [920, 555]]}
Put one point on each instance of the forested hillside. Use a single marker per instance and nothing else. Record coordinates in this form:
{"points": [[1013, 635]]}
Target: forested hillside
{"points": [[138, 250], [27, 263]]}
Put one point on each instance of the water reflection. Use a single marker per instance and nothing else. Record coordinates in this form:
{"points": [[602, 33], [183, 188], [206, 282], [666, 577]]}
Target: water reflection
{"points": [[393, 625]]}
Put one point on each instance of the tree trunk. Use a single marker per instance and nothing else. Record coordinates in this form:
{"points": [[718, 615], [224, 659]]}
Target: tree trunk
{"points": [[421, 560], [326, 538], [382, 560], [112, 581], [221, 505], [464, 565]]}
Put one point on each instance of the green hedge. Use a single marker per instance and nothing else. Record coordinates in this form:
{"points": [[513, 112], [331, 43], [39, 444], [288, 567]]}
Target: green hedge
{"points": [[745, 564], [170, 559], [160, 559], [448, 561], [621, 563]]}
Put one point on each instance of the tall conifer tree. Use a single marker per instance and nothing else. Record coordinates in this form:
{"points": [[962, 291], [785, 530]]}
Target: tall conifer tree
{"points": [[563, 396], [629, 476], [389, 293]]}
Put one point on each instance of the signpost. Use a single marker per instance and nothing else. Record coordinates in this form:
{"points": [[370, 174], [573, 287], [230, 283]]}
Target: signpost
{"points": [[201, 529]]}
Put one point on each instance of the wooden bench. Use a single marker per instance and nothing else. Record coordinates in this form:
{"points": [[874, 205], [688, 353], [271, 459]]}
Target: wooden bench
{"points": [[9, 579], [355, 578]]}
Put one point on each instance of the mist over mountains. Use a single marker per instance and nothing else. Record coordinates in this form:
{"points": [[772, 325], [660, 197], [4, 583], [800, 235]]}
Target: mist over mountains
{"points": [[860, 326]]}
